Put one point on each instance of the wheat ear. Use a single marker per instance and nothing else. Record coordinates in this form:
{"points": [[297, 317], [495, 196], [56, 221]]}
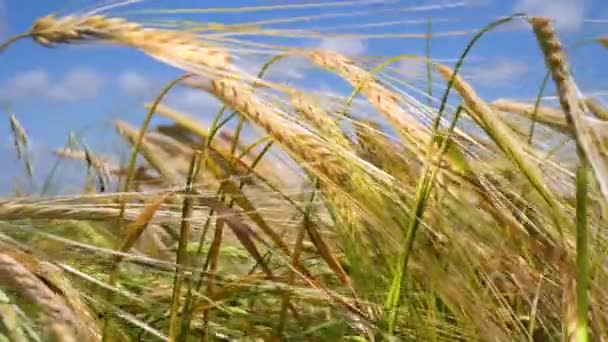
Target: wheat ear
{"points": [[303, 144], [346, 181], [154, 155], [506, 140], [177, 48], [373, 144], [572, 105], [14, 275], [318, 117], [596, 108], [549, 116], [555, 59], [383, 99], [14, 211], [588, 153]]}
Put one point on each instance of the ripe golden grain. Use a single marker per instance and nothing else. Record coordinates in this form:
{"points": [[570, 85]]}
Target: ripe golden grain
{"points": [[16, 276], [176, 48], [303, 144], [383, 99], [318, 117], [549, 116], [346, 181], [572, 105], [373, 144], [596, 108], [505, 139], [154, 155]]}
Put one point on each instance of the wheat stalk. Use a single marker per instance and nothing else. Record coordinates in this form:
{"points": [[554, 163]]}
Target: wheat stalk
{"points": [[177, 48]]}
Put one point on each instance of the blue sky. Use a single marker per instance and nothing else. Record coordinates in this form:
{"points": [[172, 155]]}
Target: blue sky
{"points": [[84, 87]]}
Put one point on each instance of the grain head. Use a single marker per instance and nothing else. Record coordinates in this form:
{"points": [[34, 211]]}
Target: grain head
{"points": [[177, 48]]}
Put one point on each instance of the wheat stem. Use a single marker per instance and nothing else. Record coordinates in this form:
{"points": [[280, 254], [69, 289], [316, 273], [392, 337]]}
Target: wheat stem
{"points": [[13, 39]]}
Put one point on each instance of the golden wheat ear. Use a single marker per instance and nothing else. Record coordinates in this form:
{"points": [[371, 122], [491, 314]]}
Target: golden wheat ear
{"points": [[383, 99], [315, 114], [572, 105], [16, 276], [178, 48], [552, 117]]}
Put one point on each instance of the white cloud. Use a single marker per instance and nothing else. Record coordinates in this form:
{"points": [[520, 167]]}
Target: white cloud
{"points": [[76, 85], [3, 19], [25, 84], [346, 46], [567, 14], [502, 70], [196, 103], [197, 98], [412, 68], [134, 84], [478, 2]]}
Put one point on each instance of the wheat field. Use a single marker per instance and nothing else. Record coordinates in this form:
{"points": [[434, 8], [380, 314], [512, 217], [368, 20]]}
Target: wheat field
{"points": [[393, 211]]}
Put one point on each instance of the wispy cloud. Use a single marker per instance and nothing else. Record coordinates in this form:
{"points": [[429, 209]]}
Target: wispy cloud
{"points": [[478, 2], [197, 99], [290, 68], [3, 19], [196, 103], [499, 71], [134, 84], [76, 84], [567, 14], [293, 67], [347, 46], [413, 68]]}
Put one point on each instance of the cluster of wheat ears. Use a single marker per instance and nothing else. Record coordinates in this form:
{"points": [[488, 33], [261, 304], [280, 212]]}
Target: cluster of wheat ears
{"points": [[401, 225]]}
